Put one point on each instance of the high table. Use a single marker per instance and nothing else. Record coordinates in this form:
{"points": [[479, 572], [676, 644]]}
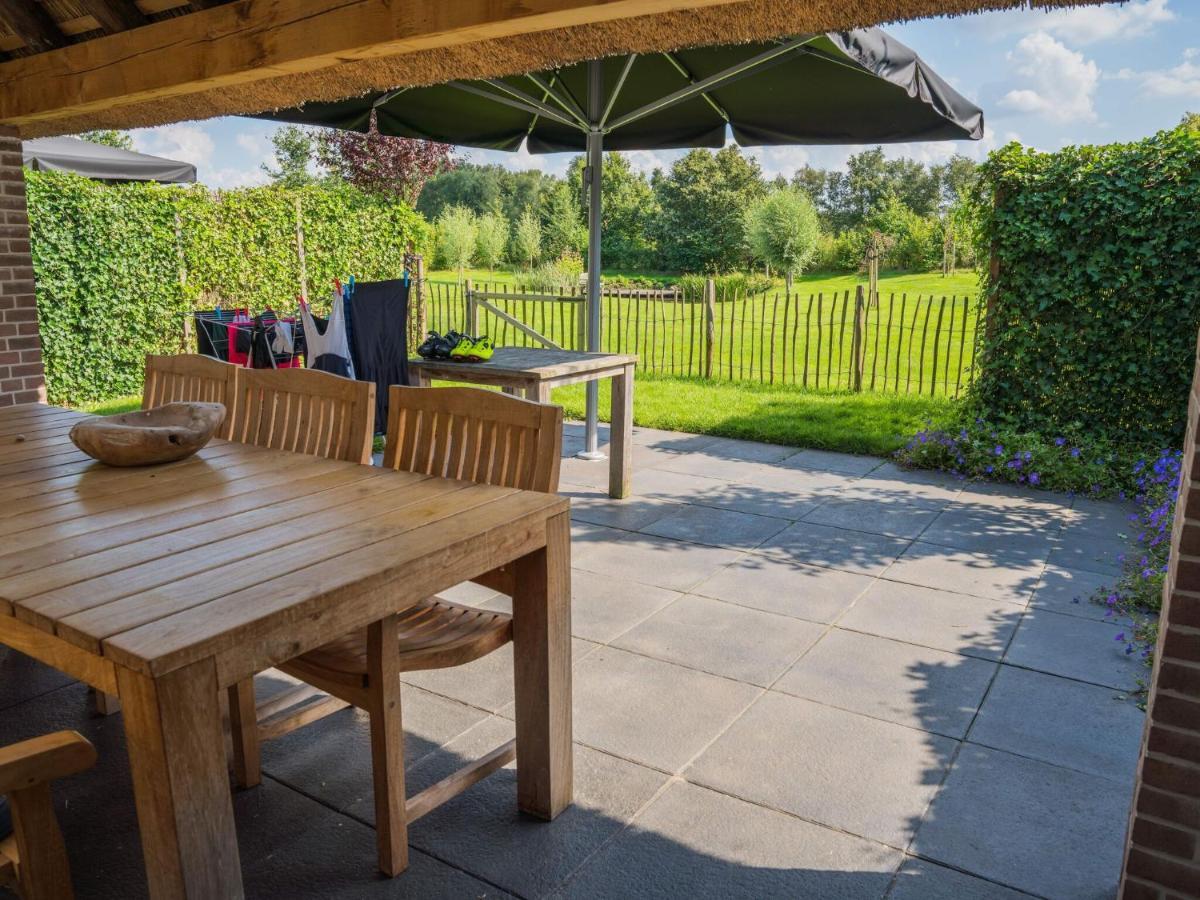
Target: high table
{"points": [[534, 372], [166, 584]]}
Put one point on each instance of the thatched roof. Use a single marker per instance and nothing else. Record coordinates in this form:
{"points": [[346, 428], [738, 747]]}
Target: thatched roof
{"points": [[742, 20]]}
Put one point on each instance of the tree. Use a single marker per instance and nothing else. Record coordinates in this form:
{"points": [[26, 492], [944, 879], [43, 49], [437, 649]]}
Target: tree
{"points": [[627, 210], [491, 238], [527, 238], [563, 229], [782, 229], [379, 164], [483, 189], [702, 225], [293, 152], [457, 234], [109, 138]]}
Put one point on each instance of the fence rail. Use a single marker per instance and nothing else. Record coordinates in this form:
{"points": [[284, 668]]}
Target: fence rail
{"points": [[850, 340]]}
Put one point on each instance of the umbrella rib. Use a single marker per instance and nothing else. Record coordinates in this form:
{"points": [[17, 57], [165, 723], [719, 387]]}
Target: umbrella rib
{"points": [[567, 104], [530, 107], [725, 76], [545, 108], [682, 70], [617, 89]]}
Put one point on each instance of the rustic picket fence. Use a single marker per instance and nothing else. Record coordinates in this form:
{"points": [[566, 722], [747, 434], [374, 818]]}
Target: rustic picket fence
{"points": [[850, 340]]}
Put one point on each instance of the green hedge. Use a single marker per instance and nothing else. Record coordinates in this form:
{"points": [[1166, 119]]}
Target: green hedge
{"points": [[1094, 315], [108, 261]]}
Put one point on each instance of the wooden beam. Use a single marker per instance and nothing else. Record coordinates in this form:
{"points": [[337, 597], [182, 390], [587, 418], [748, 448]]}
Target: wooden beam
{"points": [[30, 20], [248, 41], [115, 15]]}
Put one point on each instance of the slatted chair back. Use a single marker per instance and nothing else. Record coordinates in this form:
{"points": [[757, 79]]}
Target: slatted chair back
{"points": [[305, 411], [474, 435], [191, 378]]}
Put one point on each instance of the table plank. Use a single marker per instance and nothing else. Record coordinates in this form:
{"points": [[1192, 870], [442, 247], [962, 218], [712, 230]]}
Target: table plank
{"points": [[269, 622], [531, 362]]}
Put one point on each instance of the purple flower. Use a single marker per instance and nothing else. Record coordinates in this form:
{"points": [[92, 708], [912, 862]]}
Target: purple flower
{"points": [[999, 451], [1075, 452], [1120, 637], [1059, 441], [1034, 478]]}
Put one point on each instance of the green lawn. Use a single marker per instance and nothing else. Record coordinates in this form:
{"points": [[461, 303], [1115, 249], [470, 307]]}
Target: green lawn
{"points": [[920, 338]]}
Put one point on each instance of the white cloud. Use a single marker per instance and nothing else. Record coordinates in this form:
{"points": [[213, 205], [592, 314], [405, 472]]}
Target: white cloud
{"points": [[1182, 80], [189, 143], [193, 143], [1059, 83], [1082, 25]]}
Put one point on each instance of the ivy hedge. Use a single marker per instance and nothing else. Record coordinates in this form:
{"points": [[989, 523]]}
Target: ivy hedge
{"points": [[118, 267], [1094, 311]]}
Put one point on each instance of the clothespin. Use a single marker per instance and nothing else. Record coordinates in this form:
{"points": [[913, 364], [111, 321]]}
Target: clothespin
{"points": [[353, 285]]}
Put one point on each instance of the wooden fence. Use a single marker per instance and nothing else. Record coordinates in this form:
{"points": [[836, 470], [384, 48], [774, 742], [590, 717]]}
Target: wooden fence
{"points": [[898, 343]]}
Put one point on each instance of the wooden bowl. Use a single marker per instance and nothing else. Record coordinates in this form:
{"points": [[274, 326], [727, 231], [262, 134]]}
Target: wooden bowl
{"points": [[149, 436]]}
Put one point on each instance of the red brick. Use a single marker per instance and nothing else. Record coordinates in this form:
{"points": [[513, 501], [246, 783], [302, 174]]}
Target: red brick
{"points": [[1183, 745], [1133, 889], [20, 314], [1172, 676], [1171, 776], [1185, 610], [22, 343], [1165, 839], [29, 396], [1169, 873], [28, 327], [1180, 644]]}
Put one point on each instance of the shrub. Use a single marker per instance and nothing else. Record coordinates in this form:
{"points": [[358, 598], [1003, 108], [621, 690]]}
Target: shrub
{"points": [[782, 230], [457, 234], [527, 239], [729, 286], [491, 238], [562, 274]]}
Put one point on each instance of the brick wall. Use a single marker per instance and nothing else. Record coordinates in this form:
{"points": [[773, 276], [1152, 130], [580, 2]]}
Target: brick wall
{"points": [[22, 379], [1162, 858]]}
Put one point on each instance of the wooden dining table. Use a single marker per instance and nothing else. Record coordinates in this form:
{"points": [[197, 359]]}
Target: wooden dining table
{"points": [[164, 585]]}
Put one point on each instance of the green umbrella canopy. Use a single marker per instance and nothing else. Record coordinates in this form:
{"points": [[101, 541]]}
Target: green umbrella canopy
{"points": [[850, 87]]}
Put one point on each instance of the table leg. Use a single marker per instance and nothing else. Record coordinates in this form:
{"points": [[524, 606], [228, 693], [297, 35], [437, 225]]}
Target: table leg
{"points": [[538, 392], [620, 464], [177, 758], [387, 745], [542, 671], [422, 380]]}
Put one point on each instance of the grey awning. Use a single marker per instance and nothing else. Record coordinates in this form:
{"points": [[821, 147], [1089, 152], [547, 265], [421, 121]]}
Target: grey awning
{"points": [[68, 154]]}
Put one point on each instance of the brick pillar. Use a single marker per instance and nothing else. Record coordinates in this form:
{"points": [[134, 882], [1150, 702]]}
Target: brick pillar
{"points": [[22, 379], [1162, 857]]}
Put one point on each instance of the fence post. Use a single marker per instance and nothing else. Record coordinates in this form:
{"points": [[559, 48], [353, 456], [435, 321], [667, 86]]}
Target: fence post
{"points": [[710, 300], [858, 344], [422, 317], [472, 324], [300, 251], [581, 321]]}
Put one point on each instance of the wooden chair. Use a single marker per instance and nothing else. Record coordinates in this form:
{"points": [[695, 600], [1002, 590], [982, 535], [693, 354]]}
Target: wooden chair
{"points": [[191, 378], [34, 858], [305, 411], [464, 433]]}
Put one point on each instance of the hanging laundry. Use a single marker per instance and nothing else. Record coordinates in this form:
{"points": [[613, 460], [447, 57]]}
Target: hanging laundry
{"points": [[212, 332], [328, 347], [379, 339]]}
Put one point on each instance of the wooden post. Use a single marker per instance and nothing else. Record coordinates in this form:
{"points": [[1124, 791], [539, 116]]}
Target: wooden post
{"points": [[300, 251], [710, 300], [181, 263], [472, 324], [858, 341]]}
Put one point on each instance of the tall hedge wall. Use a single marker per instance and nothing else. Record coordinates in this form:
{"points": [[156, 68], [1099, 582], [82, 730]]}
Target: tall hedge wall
{"points": [[109, 259], [1096, 304]]}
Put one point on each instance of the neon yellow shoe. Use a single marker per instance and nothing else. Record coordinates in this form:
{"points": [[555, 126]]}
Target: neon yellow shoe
{"points": [[476, 350]]}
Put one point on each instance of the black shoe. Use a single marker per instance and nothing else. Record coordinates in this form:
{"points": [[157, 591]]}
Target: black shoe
{"points": [[426, 350]]}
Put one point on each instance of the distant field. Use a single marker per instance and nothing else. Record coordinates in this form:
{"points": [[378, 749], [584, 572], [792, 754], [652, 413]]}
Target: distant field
{"points": [[919, 339]]}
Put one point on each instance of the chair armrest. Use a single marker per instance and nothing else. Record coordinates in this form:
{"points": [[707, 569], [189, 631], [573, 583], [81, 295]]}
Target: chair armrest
{"points": [[43, 759]]}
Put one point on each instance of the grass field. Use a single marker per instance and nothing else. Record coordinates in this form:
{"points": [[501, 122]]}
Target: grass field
{"points": [[919, 339]]}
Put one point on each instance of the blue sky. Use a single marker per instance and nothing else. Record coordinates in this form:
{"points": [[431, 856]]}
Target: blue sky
{"points": [[1085, 75]]}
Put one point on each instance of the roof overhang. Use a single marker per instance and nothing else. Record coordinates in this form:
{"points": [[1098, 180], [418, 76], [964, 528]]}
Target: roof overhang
{"points": [[251, 56]]}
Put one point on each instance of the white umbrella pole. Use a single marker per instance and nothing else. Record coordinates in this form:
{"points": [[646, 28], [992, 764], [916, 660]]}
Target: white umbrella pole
{"points": [[593, 174]]}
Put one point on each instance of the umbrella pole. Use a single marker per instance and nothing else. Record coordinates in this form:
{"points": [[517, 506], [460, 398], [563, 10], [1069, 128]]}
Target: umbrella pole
{"points": [[593, 173]]}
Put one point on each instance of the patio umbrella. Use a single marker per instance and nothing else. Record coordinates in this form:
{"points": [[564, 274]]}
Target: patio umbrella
{"points": [[846, 87], [68, 154]]}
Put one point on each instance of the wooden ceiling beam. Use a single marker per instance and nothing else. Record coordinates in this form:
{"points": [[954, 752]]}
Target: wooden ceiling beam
{"points": [[239, 43], [35, 26], [115, 15]]}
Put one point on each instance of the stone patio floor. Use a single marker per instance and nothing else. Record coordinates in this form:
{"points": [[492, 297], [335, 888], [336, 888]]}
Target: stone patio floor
{"points": [[797, 674]]}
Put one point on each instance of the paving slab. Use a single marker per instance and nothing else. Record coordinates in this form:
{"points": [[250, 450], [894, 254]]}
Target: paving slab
{"points": [[870, 778], [958, 623], [603, 607], [715, 527], [1040, 828], [836, 548], [1024, 535], [781, 586], [652, 712], [1069, 591], [891, 481], [663, 562], [1079, 550], [1102, 518], [897, 517], [23, 678], [482, 832], [915, 686], [1075, 648], [995, 494], [786, 500], [693, 842], [996, 575], [593, 505], [727, 458], [1079, 726], [920, 879], [847, 463], [723, 639]]}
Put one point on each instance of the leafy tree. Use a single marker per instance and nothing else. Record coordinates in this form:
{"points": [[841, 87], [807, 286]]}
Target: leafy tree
{"points": [[293, 152], [491, 238], [483, 189], [109, 138], [379, 164], [563, 228], [782, 229], [958, 177], [527, 238], [457, 237], [702, 225], [628, 207]]}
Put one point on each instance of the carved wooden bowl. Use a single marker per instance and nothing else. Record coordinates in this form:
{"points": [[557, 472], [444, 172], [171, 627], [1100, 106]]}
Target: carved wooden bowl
{"points": [[149, 436]]}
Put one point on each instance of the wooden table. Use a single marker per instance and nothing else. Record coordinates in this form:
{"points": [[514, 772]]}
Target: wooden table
{"points": [[165, 585], [535, 371]]}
